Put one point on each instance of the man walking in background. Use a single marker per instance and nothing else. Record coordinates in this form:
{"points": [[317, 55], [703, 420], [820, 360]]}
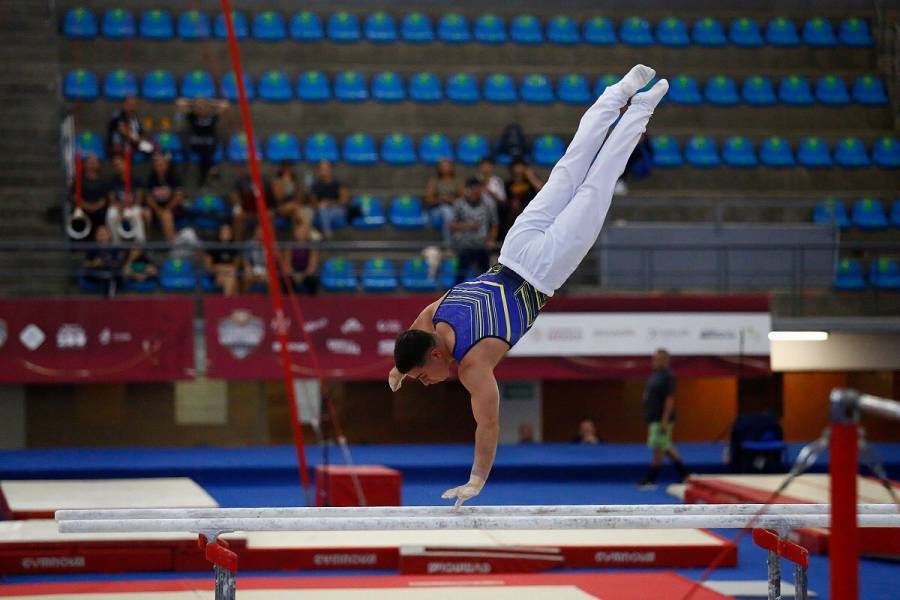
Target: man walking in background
{"points": [[659, 412]]}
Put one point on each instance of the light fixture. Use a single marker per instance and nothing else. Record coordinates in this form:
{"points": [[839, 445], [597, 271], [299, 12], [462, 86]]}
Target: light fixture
{"points": [[798, 336]]}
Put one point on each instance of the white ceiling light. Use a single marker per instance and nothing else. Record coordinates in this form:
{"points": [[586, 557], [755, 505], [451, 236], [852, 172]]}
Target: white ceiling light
{"points": [[798, 336]]}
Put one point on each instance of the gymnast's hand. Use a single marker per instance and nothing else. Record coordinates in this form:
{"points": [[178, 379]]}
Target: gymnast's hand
{"points": [[395, 379], [462, 493]]}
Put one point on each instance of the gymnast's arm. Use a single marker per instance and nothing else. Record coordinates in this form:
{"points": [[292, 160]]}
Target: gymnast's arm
{"points": [[479, 379]]}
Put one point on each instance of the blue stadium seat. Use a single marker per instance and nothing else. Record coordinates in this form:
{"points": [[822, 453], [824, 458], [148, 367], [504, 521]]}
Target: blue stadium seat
{"points": [[135, 286], [701, 151], [350, 86], [313, 86], [305, 26], [818, 32], [471, 148], [666, 152], [371, 212], [573, 89], [832, 90], [169, 143], [563, 30], [118, 24], [548, 149], [886, 152], [758, 91], [177, 275], [447, 274], [794, 90], [388, 87], [414, 276], [708, 32], [425, 87], [238, 150], [884, 274], [462, 88], [526, 30], [397, 149], [832, 212], [198, 84], [159, 86], [672, 32], [745, 32], [80, 23], [88, 142], [379, 275], [359, 149], [895, 213], [435, 147], [269, 26], [241, 27], [536, 89], [854, 32], [603, 82], [813, 152], [193, 25], [81, 84], [338, 275], [157, 24], [738, 152], [406, 212], [283, 147], [229, 87], [489, 29], [274, 86], [320, 146], [599, 31], [208, 212], [453, 28], [500, 88], [776, 152], [868, 214], [851, 152], [416, 28], [343, 27], [685, 90], [635, 31], [119, 84], [782, 32], [868, 89], [722, 91], [849, 276], [380, 28]]}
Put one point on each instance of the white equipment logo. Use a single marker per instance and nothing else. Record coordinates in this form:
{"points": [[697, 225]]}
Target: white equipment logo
{"points": [[32, 337], [71, 335], [351, 325]]}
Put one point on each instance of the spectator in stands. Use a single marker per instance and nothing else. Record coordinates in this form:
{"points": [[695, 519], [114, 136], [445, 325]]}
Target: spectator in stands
{"points": [[95, 194], [513, 143], [659, 412], [125, 131], [441, 191], [126, 216], [330, 197], [139, 266], [288, 196], [222, 263], [103, 264], [526, 433], [202, 117], [302, 264], [253, 261], [494, 187], [243, 202], [163, 194], [587, 432], [522, 187], [474, 229]]}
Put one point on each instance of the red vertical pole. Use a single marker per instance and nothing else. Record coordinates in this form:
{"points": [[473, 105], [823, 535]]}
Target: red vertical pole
{"points": [[843, 547], [280, 322], [78, 168]]}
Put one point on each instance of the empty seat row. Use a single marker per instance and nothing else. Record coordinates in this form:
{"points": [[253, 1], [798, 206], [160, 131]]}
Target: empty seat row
{"points": [[867, 214], [381, 275], [454, 28], [884, 274], [792, 90]]}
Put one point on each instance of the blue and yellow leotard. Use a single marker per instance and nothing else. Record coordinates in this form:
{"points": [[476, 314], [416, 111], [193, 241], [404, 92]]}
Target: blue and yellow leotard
{"points": [[497, 304]]}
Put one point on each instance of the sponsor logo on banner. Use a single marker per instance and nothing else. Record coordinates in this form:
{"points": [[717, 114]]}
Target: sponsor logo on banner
{"points": [[71, 335], [341, 346], [241, 332], [624, 557], [53, 562], [315, 324], [295, 347], [106, 336], [557, 334], [3, 333], [718, 334], [388, 326], [667, 334], [351, 325], [459, 568], [385, 347], [344, 559], [280, 323], [32, 337]]}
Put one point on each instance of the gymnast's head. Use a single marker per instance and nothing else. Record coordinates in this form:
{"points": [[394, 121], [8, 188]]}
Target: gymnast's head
{"points": [[418, 356]]}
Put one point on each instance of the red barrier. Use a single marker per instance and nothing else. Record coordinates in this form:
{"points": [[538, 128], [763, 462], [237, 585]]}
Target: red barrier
{"points": [[784, 548]]}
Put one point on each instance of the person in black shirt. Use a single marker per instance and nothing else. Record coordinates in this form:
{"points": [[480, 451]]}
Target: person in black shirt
{"points": [[329, 196], [103, 265], [202, 117], [243, 203], [126, 131], [222, 263], [521, 188], [164, 194], [96, 194], [659, 412]]}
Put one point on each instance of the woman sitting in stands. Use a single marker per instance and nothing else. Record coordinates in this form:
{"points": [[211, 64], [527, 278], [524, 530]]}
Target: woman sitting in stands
{"points": [[139, 267], [302, 263], [222, 263]]}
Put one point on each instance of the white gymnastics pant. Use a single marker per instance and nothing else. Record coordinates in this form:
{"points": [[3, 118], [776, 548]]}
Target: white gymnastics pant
{"points": [[561, 224]]}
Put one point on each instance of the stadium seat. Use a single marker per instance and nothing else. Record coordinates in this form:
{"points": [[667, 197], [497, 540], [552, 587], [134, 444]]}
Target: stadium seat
{"points": [[563, 30], [685, 90], [603, 82], [135, 286], [745, 33], [156, 24], [573, 89], [895, 213], [851, 152], [388, 87], [813, 152], [447, 273], [193, 25], [338, 275], [350, 86], [198, 84], [359, 149], [177, 275], [500, 88], [414, 276], [313, 86], [489, 29], [471, 148], [229, 87], [832, 212], [849, 276], [782, 32], [794, 90], [169, 143], [406, 212], [708, 32], [80, 23], [159, 86], [320, 146], [548, 149], [371, 212], [88, 142], [526, 30], [758, 91], [119, 84], [117, 24], [398, 149], [268, 26], [305, 26], [599, 31], [832, 90], [453, 28], [635, 31], [343, 27], [241, 27], [666, 152], [672, 32], [868, 214], [886, 152], [818, 32], [208, 212], [462, 88], [884, 274], [416, 28], [776, 152], [854, 32], [425, 87], [274, 86], [380, 28], [536, 89], [722, 91], [379, 275], [238, 150], [738, 152], [435, 147], [81, 84], [701, 151], [868, 89], [283, 147]]}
